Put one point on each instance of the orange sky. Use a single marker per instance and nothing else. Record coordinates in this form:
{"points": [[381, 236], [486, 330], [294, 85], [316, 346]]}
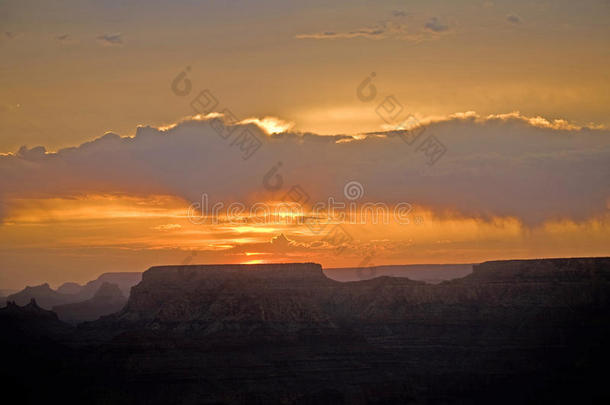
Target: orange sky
{"points": [[58, 239], [101, 156]]}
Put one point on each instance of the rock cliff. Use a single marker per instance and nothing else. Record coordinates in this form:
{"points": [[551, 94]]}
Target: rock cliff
{"points": [[270, 293]]}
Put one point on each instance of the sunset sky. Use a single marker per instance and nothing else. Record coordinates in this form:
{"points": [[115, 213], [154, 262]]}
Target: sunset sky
{"points": [[105, 142]]}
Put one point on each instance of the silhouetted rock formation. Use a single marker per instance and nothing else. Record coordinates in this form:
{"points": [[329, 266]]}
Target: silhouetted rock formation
{"points": [[29, 311], [30, 321], [124, 280], [43, 294], [4, 293], [511, 332], [240, 304], [69, 293], [35, 357], [107, 300], [70, 288]]}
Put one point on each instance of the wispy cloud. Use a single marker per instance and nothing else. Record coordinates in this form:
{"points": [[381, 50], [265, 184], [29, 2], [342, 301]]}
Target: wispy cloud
{"points": [[372, 33], [513, 18], [167, 227], [115, 39], [434, 24], [397, 28], [399, 13]]}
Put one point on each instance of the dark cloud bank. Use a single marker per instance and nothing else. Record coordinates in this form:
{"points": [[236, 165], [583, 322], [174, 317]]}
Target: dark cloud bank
{"points": [[497, 166]]}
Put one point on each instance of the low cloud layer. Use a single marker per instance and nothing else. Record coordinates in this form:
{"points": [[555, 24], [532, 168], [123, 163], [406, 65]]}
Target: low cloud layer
{"points": [[504, 165]]}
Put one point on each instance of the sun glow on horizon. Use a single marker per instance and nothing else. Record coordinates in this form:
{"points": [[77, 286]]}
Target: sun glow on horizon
{"points": [[271, 125], [257, 261], [158, 223]]}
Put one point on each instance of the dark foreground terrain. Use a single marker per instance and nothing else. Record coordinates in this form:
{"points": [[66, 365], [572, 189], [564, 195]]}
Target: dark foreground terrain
{"points": [[511, 332]]}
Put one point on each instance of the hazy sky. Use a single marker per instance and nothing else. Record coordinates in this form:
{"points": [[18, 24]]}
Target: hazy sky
{"points": [[517, 91], [73, 70]]}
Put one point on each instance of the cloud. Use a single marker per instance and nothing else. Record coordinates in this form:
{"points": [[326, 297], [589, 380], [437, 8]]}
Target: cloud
{"points": [[111, 39], [281, 243], [378, 32], [395, 28], [533, 169], [10, 35], [513, 18], [433, 24], [35, 153], [9, 107], [282, 248], [167, 227], [537, 121]]}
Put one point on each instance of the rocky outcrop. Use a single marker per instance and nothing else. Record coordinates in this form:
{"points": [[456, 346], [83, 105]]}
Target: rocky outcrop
{"points": [[4, 293], [107, 300], [69, 293], [35, 358], [29, 311], [395, 339], [124, 280], [30, 321], [239, 302], [44, 295], [275, 293], [70, 288]]}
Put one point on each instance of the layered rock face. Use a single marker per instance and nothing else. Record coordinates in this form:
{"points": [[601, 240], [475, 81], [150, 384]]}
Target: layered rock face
{"points": [[241, 303], [172, 295], [406, 338]]}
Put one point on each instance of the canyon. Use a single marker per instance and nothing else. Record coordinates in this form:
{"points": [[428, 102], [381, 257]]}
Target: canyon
{"points": [[518, 330]]}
